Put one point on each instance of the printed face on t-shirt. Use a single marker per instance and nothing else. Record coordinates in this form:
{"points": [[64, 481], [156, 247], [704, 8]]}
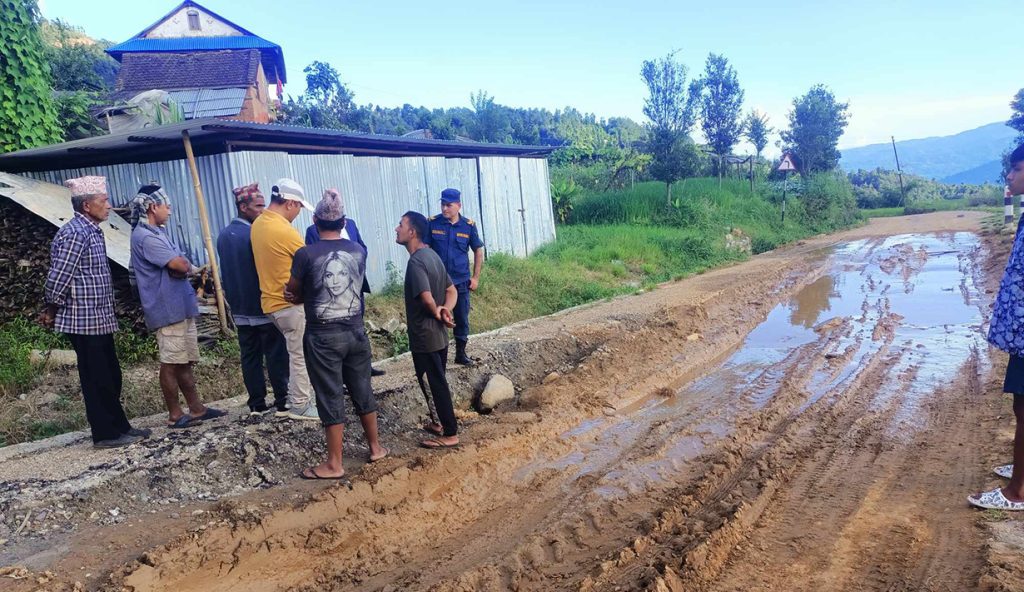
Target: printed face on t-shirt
{"points": [[338, 296]]}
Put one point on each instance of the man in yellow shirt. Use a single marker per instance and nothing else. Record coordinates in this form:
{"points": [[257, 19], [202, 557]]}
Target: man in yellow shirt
{"points": [[274, 242]]}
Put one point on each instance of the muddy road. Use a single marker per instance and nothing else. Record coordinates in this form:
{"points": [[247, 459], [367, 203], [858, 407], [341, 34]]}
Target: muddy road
{"points": [[812, 419]]}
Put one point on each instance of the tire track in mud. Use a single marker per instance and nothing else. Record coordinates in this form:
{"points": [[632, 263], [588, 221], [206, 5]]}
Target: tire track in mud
{"points": [[400, 512], [790, 481]]}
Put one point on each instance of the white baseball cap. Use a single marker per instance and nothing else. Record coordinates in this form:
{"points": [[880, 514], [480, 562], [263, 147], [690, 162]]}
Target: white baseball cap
{"points": [[289, 189]]}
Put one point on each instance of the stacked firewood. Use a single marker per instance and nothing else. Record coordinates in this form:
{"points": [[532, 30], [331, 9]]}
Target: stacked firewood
{"points": [[25, 261]]}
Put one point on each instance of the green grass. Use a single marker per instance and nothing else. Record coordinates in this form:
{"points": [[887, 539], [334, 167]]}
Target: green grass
{"points": [[927, 207], [17, 339], [622, 241], [882, 212]]}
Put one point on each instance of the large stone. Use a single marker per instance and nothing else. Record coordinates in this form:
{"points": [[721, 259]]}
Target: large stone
{"points": [[498, 389], [394, 326], [54, 357], [735, 240]]}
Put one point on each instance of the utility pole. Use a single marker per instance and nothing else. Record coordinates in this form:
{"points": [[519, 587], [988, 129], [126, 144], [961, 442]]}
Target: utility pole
{"points": [[899, 171], [750, 171]]}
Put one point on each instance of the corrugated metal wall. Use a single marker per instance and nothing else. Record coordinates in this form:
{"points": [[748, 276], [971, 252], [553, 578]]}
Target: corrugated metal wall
{"points": [[539, 215], [509, 197]]}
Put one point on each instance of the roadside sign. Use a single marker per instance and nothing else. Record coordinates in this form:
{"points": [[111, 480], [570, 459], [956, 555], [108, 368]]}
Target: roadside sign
{"points": [[787, 163]]}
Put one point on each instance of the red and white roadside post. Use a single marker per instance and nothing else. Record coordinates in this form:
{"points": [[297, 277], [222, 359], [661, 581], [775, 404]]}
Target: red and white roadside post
{"points": [[1008, 205], [785, 166]]}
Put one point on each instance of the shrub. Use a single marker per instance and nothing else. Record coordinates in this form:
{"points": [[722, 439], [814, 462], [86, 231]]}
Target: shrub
{"points": [[828, 201]]}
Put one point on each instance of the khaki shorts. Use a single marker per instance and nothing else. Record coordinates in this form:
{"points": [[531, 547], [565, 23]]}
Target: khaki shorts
{"points": [[178, 343]]}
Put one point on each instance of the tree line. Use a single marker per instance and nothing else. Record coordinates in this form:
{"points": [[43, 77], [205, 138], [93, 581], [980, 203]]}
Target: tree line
{"points": [[59, 77]]}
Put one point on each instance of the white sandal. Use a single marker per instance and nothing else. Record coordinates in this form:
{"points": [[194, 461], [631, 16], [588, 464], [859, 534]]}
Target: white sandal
{"points": [[994, 500], [1004, 471]]}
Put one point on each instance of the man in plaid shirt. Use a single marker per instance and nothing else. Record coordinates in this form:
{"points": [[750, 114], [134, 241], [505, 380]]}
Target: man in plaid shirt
{"points": [[79, 298]]}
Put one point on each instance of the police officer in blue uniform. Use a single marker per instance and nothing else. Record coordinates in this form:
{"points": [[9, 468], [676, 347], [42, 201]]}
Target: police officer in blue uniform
{"points": [[452, 235]]}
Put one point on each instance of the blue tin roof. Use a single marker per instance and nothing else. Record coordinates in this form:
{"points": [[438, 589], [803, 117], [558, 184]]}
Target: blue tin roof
{"points": [[272, 56], [192, 44]]}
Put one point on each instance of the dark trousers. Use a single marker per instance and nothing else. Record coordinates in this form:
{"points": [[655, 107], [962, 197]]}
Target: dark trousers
{"points": [[258, 343], [430, 368], [338, 360], [461, 313], [100, 375]]}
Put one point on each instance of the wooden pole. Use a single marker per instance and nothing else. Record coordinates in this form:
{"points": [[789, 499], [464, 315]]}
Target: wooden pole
{"points": [[785, 186], [750, 161], [204, 222], [899, 171]]}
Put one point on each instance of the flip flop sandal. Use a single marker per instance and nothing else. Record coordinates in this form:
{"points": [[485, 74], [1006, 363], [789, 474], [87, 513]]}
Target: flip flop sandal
{"points": [[994, 500], [316, 476], [1004, 471], [185, 421], [212, 413], [435, 444]]}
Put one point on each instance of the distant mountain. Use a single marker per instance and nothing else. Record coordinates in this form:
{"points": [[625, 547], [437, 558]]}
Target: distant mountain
{"points": [[985, 173], [973, 156]]}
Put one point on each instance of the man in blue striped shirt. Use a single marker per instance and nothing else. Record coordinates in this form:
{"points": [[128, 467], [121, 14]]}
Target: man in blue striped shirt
{"points": [[79, 298]]}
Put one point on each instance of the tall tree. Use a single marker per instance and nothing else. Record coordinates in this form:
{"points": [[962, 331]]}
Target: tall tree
{"points": [[327, 102], [670, 108], [77, 62], [82, 75], [816, 123], [756, 130], [27, 114], [721, 106], [492, 121], [1017, 116]]}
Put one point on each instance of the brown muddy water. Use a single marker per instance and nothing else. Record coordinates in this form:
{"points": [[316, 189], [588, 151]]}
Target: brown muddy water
{"points": [[913, 297]]}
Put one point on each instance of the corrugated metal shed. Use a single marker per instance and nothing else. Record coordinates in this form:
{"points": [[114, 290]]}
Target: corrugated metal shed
{"points": [[504, 188], [216, 136], [208, 102], [509, 207], [53, 203]]}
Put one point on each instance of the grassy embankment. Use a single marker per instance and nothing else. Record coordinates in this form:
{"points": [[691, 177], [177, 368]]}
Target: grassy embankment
{"points": [[621, 241], [925, 207], [616, 243]]}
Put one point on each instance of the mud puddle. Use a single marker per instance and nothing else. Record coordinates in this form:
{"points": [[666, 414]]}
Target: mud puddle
{"points": [[911, 294]]}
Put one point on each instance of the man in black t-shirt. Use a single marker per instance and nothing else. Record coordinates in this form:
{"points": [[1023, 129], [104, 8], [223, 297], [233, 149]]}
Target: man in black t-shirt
{"points": [[426, 284], [327, 278]]}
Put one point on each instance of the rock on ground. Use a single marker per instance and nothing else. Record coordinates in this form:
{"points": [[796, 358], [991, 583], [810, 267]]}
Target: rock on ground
{"points": [[498, 389]]}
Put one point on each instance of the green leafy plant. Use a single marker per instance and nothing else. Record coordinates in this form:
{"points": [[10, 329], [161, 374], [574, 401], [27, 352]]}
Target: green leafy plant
{"points": [[393, 285], [27, 114], [563, 193]]}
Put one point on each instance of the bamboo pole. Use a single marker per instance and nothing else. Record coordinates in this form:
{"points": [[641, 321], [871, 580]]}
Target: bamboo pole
{"points": [[204, 221]]}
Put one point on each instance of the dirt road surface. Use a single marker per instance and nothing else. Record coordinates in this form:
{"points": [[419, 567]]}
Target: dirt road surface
{"points": [[812, 419]]}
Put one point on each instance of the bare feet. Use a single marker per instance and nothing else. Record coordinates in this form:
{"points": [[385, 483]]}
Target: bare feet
{"points": [[434, 428], [441, 442], [380, 453], [323, 471], [1011, 496]]}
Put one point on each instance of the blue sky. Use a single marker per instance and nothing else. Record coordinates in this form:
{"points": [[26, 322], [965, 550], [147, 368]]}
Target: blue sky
{"points": [[908, 68]]}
